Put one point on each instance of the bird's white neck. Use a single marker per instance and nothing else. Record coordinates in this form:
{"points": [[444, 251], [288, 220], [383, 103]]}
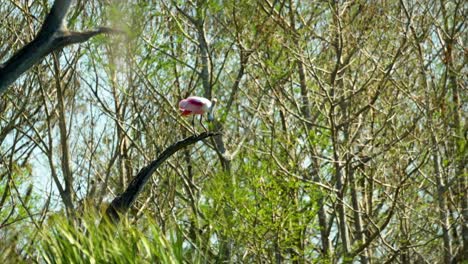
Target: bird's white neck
{"points": [[211, 110]]}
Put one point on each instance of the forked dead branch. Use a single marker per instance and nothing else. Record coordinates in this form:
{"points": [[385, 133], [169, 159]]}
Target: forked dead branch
{"points": [[52, 36]]}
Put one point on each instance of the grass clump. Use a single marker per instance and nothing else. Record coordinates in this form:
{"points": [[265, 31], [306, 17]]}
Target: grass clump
{"points": [[91, 242]]}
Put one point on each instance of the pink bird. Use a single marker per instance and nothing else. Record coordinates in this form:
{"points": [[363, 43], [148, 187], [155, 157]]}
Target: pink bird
{"points": [[195, 105]]}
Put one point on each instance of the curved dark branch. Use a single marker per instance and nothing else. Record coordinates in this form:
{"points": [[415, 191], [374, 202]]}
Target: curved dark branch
{"points": [[122, 203]]}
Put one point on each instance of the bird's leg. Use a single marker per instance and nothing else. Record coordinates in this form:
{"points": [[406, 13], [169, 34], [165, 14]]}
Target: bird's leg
{"points": [[193, 123], [201, 117]]}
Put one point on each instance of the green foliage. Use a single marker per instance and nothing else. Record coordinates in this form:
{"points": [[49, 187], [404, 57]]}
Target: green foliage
{"points": [[261, 210]]}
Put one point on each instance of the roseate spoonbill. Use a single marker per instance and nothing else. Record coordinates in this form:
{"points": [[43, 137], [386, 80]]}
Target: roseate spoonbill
{"points": [[195, 105]]}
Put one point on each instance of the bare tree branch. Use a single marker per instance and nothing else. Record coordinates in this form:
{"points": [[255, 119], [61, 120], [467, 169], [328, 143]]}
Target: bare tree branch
{"points": [[52, 36]]}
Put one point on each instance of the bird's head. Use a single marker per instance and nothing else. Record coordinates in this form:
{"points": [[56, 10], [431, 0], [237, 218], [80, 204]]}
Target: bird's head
{"points": [[210, 113]]}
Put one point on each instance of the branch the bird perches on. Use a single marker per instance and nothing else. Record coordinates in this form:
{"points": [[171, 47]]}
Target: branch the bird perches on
{"points": [[122, 203]]}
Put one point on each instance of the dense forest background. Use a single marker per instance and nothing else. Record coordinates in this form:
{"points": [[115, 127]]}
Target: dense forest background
{"points": [[343, 133]]}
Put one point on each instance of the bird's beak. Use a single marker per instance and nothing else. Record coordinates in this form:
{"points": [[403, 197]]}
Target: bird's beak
{"points": [[211, 112]]}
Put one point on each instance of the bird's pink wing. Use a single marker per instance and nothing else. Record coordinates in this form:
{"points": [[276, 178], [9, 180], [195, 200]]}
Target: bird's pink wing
{"points": [[194, 105], [198, 101]]}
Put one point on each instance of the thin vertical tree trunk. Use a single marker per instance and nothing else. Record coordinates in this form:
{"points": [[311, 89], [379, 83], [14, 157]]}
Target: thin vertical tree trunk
{"points": [[359, 230], [225, 243], [441, 185], [458, 136], [338, 174], [436, 160], [124, 167], [322, 214], [442, 201], [64, 145], [205, 59]]}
